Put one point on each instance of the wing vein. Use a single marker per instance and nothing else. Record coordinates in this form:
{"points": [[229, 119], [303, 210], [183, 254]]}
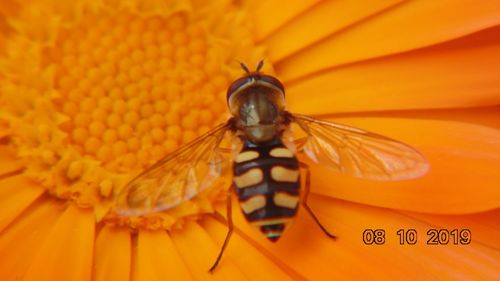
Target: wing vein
{"points": [[357, 152], [177, 177]]}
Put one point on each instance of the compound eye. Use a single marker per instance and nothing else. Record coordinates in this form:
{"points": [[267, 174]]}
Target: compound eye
{"points": [[236, 85], [273, 81]]}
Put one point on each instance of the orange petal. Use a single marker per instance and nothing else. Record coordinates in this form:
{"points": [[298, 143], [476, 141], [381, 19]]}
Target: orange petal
{"points": [[199, 253], [4, 125], [112, 254], [484, 226], [67, 252], [477, 262], [406, 27], [157, 258], [429, 78], [16, 194], [267, 16], [463, 177], [484, 116], [8, 161], [20, 241], [319, 22], [9, 7], [306, 248], [253, 263]]}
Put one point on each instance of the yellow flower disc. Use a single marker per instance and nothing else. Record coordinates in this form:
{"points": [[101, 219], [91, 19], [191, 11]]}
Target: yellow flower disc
{"points": [[106, 94]]}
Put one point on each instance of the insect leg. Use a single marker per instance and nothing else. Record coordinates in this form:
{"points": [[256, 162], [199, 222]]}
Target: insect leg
{"points": [[229, 232], [306, 195]]}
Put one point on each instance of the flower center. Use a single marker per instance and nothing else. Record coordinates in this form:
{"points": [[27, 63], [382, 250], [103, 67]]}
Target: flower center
{"points": [[103, 97], [136, 88]]}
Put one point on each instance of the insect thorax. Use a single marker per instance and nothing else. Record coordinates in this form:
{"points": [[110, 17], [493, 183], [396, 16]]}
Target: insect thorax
{"points": [[258, 111]]}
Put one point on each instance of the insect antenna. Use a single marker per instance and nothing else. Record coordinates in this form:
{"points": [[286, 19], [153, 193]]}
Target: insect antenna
{"points": [[244, 67], [259, 65]]}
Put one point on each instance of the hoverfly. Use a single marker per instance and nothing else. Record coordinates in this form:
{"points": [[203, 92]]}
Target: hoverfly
{"points": [[266, 176]]}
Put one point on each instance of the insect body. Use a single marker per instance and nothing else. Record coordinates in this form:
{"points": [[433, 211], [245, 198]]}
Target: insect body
{"points": [[267, 182], [266, 175]]}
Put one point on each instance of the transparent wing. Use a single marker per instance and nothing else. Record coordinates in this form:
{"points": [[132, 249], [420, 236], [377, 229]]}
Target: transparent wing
{"points": [[356, 152], [178, 177]]}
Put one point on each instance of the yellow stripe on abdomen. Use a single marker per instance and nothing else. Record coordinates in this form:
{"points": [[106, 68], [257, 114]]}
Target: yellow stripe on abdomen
{"points": [[270, 222], [247, 156], [254, 203], [286, 200], [251, 177], [282, 174], [281, 152]]}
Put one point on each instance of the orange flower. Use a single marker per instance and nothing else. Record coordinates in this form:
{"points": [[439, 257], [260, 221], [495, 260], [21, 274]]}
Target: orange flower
{"points": [[93, 92]]}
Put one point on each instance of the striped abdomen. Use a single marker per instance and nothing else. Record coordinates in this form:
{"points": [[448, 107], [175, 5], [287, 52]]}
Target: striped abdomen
{"points": [[267, 182]]}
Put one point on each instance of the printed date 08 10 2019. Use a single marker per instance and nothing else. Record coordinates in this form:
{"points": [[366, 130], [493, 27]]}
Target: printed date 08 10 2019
{"points": [[410, 236]]}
